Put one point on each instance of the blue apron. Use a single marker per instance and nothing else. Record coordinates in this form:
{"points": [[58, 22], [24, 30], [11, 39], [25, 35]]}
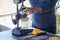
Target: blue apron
{"points": [[46, 18]]}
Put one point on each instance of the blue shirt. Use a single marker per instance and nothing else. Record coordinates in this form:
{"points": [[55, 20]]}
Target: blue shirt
{"points": [[46, 18]]}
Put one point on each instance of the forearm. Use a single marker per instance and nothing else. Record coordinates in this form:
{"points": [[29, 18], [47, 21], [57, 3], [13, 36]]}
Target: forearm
{"points": [[38, 9], [41, 10]]}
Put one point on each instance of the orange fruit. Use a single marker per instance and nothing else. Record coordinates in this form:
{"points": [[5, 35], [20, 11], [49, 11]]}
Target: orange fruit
{"points": [[36, 32]]}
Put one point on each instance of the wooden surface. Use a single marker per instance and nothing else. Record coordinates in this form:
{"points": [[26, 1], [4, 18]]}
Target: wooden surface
{"points": [[58, 24], [58, 20]]}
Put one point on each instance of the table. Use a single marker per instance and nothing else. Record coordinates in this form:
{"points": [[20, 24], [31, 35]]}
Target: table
{"points": [[7, 35]]}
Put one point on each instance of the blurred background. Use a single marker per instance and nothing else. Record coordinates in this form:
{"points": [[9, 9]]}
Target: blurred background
{"points": [[8, 9]]}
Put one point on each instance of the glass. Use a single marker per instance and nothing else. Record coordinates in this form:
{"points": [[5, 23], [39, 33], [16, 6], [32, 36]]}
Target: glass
{"points": [[24, 23]]}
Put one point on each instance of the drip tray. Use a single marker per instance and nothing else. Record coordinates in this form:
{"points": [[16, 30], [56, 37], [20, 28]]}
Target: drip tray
{"points": [[3, 28]]}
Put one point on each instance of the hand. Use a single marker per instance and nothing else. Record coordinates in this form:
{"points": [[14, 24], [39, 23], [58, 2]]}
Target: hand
{"points": [[28, 10], [32, 10]]}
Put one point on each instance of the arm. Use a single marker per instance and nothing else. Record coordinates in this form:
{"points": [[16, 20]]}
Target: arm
{"points": [[42, 7], [45, 6]]}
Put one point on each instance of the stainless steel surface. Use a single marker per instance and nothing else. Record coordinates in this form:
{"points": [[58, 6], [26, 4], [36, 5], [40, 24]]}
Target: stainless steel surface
{"points": [[3, 28], [7, 35]]}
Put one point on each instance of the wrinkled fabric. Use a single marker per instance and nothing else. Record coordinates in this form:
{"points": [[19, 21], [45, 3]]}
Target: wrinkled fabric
{"points": [[46, 18]]}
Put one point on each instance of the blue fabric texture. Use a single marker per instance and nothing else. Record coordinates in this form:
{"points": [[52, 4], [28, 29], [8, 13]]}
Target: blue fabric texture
{"points": [[46, 18]]}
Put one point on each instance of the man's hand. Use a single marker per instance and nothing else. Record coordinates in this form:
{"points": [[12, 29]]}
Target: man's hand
{"points": [[29, 10]]}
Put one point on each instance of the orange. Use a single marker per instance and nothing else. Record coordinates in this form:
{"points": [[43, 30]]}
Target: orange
{"points": [[36, 32]]}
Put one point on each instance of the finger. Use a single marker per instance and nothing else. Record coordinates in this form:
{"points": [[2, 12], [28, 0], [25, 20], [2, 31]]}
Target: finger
{"points": [[26, 10], [28, 13], [25, 7]]}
